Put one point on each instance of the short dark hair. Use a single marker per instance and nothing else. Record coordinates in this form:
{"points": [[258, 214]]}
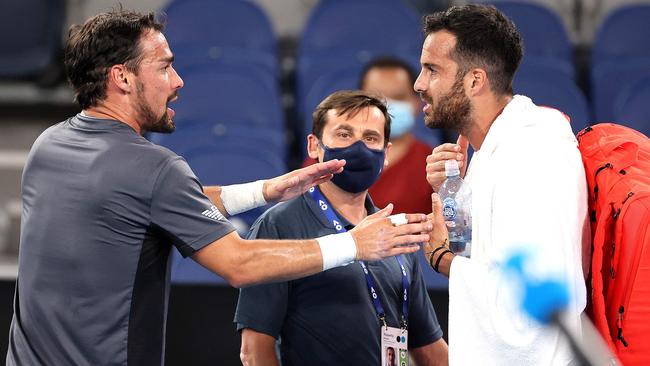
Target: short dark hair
{"points": [[387, 62], [348, 102], [485, 38], [104, 40]]}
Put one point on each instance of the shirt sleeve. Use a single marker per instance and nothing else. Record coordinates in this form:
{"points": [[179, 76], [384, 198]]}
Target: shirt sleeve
{"points": [[422, 323], [181, 210], [263, 307]]}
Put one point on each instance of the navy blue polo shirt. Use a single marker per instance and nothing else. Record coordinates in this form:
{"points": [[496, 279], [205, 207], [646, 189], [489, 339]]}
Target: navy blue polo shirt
{"points": [[329, 318], [102, 207]]}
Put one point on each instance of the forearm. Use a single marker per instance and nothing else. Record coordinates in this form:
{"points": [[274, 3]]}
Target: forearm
{"points": [[433, 354], [248, 262], [257, 349]]}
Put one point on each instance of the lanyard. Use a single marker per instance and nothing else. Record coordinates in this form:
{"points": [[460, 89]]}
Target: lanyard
{"points": [[324, 205]]}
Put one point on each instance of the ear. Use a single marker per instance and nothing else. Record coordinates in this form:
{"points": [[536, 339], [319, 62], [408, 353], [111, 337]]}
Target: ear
{"points": [[119, 76], [476, 81], [312, 147], [386, 152]]}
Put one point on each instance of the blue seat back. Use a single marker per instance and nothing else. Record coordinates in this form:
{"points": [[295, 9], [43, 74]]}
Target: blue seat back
{"points": [[632, 107], [201, 31], [559, 92], [230, 95], [30, 34]]}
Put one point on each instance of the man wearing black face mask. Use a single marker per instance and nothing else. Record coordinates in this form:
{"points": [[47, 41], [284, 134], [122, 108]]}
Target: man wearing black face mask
{"points": [[344, 315]]}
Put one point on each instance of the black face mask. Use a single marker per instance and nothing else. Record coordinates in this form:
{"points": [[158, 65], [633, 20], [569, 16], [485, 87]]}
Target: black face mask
{"points": [[362, 168]]}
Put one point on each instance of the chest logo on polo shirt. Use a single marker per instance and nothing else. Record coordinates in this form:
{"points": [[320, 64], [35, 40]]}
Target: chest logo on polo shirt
{"points": [[213, 213]]}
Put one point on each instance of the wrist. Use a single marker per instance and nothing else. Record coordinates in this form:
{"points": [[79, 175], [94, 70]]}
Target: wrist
{"points": [[237, 198], [337, 249]]}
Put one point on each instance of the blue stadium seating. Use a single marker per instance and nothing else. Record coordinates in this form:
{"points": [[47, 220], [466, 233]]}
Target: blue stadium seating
{"points": [[30, 34], [341, 33], [609, 78], [557, 91], [189, 134], [223, 164], [620, 56], [623, 34], [205, 31], [632, 106], [546, 41], [230, 95]]}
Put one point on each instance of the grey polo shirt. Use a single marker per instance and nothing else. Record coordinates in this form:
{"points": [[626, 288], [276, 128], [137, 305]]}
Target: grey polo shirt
{"points": [[102, 207]]}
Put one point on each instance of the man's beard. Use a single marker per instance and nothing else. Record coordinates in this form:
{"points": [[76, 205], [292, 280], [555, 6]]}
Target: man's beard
{"points": [[452, 110], [149, 122]]}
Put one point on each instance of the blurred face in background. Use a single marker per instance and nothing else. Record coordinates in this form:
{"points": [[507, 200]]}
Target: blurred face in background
{"points": [[394, 83]]}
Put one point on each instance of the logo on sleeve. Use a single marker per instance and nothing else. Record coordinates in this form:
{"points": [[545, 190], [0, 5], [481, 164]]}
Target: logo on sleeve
{"points": [[213, 213]]}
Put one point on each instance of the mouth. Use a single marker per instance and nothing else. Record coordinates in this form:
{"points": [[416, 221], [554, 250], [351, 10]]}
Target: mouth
{"points": [[427, 107], [172, 99]]}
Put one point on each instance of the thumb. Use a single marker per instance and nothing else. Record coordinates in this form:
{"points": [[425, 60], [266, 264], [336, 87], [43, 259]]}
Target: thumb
{"points": [[384, 212], [463, 142], [436, 208]]}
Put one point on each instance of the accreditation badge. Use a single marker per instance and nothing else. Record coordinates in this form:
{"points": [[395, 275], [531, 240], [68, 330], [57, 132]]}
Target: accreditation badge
{"points": [[394, 347]]}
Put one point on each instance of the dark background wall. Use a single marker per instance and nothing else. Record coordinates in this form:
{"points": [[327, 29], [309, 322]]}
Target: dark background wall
{"points": [[199, 325]]}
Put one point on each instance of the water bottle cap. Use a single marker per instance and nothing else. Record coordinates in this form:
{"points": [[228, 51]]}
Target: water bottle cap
{"points": [[451, 168]]}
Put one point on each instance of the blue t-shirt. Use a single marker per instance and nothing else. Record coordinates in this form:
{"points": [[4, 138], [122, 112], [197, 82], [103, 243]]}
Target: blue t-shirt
{"points": [[329, 318], [102, 207]]}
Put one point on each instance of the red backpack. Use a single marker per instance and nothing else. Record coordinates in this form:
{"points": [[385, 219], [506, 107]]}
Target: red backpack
{"points": [[617, 164]]}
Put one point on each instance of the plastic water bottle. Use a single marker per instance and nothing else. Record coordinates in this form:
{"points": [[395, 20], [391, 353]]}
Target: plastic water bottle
{"points": [[456, 197]]}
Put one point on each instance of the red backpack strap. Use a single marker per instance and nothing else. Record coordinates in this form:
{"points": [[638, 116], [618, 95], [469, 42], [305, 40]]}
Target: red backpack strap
{"points": [[598, 298]]}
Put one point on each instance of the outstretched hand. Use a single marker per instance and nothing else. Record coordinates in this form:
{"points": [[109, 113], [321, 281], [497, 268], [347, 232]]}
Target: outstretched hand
{"points": [[297, 182], [377, 237]]}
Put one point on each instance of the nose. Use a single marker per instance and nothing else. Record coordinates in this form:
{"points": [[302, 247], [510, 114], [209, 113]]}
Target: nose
{"points": [[177, 82], [420, 84]]}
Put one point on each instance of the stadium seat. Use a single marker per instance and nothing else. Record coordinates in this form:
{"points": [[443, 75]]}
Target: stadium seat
{"points": [[224, 164], [620, 56], [632, 107], [190, 134], [230, 95], [623, 35], [30, 35], [559, 92], [337, 36], [545, 38], [609, 79], [235, 31]]}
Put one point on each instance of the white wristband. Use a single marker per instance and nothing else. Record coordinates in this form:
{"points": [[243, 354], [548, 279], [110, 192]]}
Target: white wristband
{"points": [[337, 250], [237, 198]]}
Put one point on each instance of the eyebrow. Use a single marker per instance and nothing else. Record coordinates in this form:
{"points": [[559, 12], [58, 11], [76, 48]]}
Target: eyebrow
{"points": [[346, 127], [431, 65], [167, 60]]}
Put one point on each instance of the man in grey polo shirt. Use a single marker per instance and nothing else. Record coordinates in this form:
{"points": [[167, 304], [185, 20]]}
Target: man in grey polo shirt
{"points": [[102, 207]]}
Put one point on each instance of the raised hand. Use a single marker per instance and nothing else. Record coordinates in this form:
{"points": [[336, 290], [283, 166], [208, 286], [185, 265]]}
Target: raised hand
{"points": [[376, 236], [436, 161], [297, 182]]}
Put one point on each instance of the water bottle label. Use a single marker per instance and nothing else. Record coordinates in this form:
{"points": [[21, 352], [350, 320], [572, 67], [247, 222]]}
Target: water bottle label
{"points": [[449, 209]]}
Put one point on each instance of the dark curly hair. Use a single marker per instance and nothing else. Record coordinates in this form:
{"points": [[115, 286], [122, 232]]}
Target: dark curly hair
{"points": [[485, 38], [104, 40]]}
